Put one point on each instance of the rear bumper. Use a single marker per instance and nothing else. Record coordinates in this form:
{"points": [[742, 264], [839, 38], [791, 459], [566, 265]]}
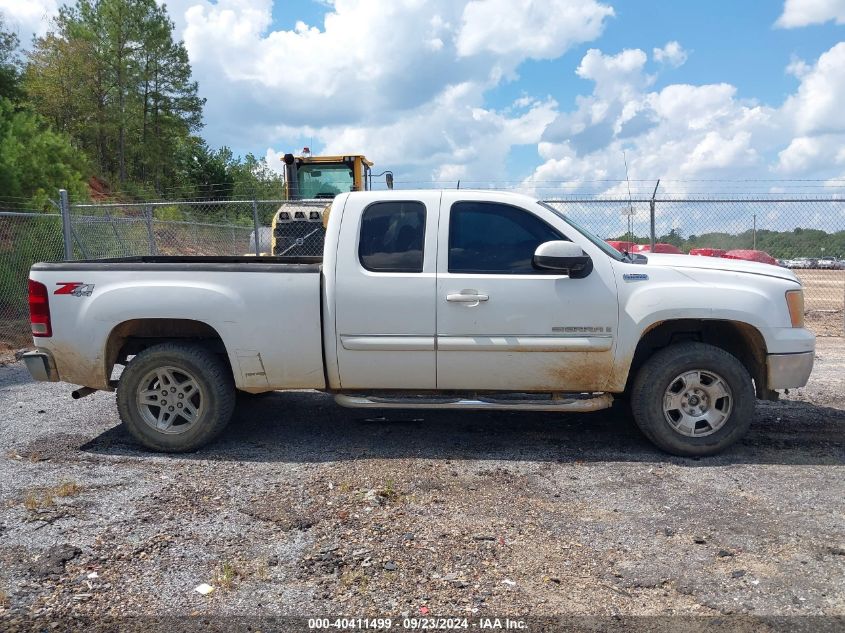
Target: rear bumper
{"points": [[787, 371], [41, 366]]}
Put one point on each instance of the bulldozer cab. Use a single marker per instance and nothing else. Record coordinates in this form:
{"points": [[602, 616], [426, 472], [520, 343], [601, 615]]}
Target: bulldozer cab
{"points": [[323, 177]]}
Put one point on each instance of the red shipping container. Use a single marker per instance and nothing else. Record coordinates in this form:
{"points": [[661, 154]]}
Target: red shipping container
{"points": [[708, 252], [752, 256], [622, 246], [658, 248]]}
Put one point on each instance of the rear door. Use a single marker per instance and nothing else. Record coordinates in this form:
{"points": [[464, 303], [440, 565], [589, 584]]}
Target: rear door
{"points": [[504, 325], [385, 291]]}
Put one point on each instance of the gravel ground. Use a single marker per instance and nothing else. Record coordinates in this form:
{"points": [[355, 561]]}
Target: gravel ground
{"points": [[304, 508]]}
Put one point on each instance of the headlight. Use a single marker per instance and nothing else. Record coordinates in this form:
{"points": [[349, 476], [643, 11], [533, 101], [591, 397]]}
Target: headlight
{"points": [[795, 303]]}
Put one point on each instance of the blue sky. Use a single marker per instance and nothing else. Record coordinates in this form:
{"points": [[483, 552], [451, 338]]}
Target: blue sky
{"points": [[539, 94], [728, 41]]}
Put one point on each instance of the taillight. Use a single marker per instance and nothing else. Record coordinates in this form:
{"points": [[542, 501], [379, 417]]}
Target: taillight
{"points": [[39, 309]]}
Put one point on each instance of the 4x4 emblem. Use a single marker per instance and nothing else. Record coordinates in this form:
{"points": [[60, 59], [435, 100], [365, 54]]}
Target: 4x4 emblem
{"points": [[75, 288]]}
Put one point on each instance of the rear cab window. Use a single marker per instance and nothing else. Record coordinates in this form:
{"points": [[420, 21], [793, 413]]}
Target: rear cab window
{"points": [[392, 237]]}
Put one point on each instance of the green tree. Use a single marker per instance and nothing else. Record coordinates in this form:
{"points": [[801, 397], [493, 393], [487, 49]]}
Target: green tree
{"points": [[205, 172], [219, 175], [110, 74], [673, 237], [36, 161], [253, 178], [9, 64]]}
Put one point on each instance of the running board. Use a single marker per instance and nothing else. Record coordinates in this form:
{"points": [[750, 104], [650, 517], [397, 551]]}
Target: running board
{"points": [[577, 405]]}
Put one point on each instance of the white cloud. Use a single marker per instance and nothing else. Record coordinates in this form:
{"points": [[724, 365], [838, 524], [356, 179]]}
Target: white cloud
{"points": [[798, 13], [817, 106], [672, 54], [528, 28], [815, 115], [28, 17], [614, 74], [801, 153], [798, 68]]}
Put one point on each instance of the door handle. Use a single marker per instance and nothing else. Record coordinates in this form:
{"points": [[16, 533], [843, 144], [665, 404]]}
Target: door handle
{"points": [[460, 297]]}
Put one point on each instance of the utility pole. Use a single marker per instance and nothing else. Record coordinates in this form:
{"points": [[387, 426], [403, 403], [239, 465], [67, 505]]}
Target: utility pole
{"points": [[630, 200]]}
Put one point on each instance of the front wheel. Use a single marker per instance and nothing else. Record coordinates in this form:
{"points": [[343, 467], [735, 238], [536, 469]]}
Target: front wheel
{"points": [[175, 397], [693, 399]]}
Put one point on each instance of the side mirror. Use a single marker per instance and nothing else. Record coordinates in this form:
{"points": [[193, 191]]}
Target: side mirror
{"points": [[388, 178], [563, 256]]}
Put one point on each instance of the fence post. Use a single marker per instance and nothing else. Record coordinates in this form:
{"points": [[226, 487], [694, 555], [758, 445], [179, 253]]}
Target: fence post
{"points": [[148, 212], [754, 234], [255, 224], [67, 229], [651, 206]]}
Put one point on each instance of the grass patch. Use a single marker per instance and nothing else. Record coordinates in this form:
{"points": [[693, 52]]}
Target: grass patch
{"points": [[67, 489], [231, 572], [355, 578], [46, 498], [388, 491], [34, 502], [226, 575]]}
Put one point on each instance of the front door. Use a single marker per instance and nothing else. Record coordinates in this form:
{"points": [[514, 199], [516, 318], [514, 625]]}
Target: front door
{"points": [[504, 325]]}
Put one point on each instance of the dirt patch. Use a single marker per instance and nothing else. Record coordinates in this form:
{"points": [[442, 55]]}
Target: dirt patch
{"points": [[825, 322], [823, 289]]}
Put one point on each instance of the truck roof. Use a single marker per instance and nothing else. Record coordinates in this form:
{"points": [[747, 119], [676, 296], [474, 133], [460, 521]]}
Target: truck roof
{"points": [[485, 194]]}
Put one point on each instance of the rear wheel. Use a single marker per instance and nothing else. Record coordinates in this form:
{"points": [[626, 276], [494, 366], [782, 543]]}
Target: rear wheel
{"points": [[693, 399], [175, 397]]}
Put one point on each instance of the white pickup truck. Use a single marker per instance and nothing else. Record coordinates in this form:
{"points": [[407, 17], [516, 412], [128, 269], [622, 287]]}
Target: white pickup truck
{"points": [[436, 299]]}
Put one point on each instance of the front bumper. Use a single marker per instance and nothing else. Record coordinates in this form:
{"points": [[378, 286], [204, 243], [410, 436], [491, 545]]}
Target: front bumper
{"points": [[41, 366], [787, 371]]}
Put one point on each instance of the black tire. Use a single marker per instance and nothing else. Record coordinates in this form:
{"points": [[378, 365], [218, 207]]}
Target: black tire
{"points": [[213, 403], [657, 377]]}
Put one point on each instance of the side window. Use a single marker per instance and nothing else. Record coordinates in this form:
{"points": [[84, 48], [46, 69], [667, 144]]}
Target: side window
{"points": [[392, 236], [487, 237]]}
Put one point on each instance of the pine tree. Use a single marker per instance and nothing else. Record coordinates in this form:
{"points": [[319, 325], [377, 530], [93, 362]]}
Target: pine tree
{"points": [[110, 74]]}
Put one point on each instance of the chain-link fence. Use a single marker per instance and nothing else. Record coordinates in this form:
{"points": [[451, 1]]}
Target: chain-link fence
{"points": [[26, 237], [232, 227], [806, 234]]}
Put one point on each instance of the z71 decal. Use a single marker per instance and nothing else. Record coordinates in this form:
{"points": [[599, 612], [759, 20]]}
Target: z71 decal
{"points": [[75, 288]]}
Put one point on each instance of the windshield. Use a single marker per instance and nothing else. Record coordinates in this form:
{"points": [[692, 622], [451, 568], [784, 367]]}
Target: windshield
{"points": [[324, 181], [607, 248]]}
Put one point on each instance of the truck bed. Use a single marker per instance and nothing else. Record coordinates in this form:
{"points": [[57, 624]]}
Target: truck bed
{"points": [[265, 311]]}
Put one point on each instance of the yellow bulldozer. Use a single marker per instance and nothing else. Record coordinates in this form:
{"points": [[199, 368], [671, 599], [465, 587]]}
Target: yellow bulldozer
{"points": [[296, 229]]}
